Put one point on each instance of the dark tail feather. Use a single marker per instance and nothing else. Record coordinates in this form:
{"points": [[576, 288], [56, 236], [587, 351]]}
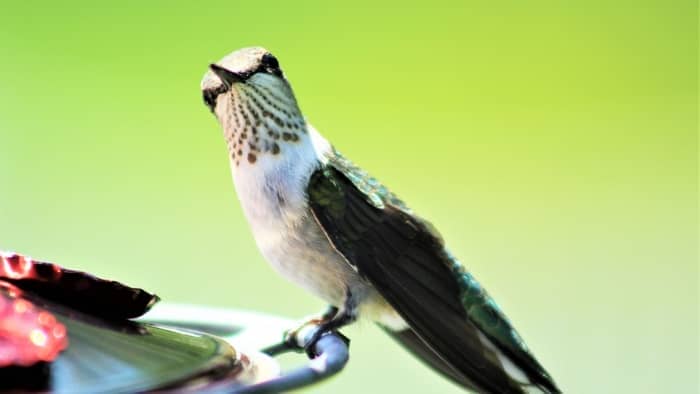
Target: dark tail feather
{"points": [[408, 339]]}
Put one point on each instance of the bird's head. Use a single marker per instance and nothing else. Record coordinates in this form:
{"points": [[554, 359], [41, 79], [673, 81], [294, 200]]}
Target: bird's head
{"points": [[254, 103]]}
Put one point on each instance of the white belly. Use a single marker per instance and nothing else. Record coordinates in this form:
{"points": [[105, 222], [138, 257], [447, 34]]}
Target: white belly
{"points": [[290, 239], [306, 257], [272, 192], [302, 254]]}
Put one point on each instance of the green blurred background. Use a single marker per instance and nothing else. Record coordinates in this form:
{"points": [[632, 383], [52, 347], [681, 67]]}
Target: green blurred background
{"points": [[553, 143]]}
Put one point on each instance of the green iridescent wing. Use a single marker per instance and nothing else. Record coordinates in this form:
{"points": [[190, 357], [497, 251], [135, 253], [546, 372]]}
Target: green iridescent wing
{"points": [[404, 257]]}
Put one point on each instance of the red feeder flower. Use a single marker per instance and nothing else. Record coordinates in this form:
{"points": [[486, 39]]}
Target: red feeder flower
{"points": [[28, 334]]}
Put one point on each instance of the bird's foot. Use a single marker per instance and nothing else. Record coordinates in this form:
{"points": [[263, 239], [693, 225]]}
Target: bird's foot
{"points": [[296, 337], [311, 330]]}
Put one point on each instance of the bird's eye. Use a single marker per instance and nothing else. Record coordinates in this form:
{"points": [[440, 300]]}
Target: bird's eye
{"points": [[270, 61], [210, 99]]}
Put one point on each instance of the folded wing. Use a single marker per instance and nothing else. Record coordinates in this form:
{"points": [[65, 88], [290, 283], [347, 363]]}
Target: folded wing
{"points": [[405, 259]]}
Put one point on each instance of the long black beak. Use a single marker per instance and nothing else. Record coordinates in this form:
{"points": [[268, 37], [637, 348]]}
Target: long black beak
{"points": [[226, 76]]}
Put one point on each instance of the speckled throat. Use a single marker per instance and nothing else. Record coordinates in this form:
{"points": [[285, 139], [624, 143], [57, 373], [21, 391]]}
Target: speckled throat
{"points": [[261, 122]]}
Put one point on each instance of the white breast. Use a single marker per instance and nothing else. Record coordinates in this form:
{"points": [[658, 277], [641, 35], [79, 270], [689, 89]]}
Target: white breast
{"points": [[272, 192], [273, 195]]}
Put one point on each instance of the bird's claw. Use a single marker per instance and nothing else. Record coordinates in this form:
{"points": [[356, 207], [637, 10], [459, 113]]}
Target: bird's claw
{"points": [[305, 337], [297, 337]]}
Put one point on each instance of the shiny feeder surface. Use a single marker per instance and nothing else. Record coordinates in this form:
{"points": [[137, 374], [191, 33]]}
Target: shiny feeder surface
{"points": [[128, 356], [174, 348]]}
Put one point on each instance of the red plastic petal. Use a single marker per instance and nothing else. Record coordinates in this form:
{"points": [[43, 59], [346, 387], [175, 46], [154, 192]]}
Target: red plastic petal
{"points": [[28, 334], [79, 290]]}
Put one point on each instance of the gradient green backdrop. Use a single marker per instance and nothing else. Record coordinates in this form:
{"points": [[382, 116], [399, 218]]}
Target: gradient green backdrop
{"points": [[553, 143]]}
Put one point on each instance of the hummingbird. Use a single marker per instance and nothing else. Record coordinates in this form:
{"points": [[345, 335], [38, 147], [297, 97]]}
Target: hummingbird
{"points": [[328, 226]]}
